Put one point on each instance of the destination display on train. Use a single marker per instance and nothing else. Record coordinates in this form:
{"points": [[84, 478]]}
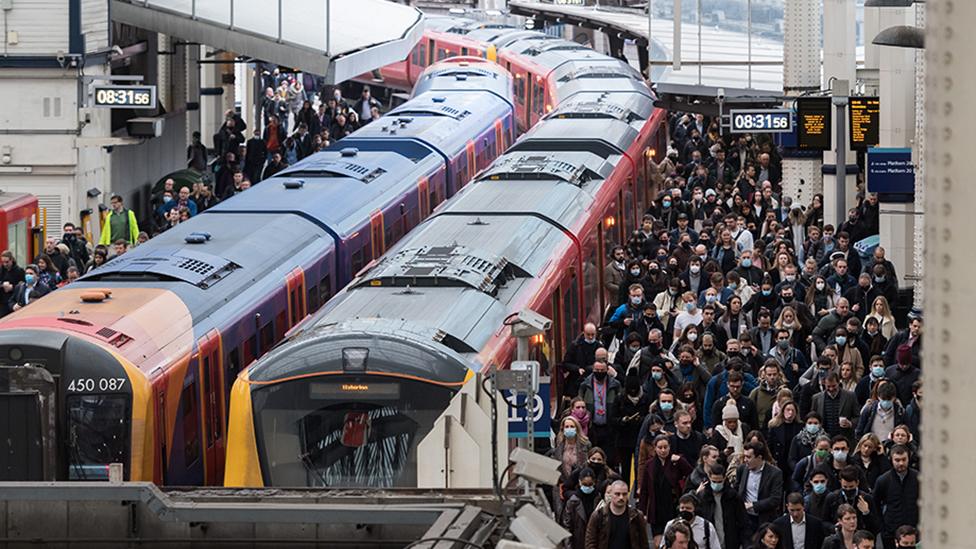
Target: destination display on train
{"points": [[761, 120], [813, 120], [865, 115]]}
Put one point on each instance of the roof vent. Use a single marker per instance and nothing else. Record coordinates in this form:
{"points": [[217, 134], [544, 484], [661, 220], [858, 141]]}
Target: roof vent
{"points": [[196, 238], [464, 63], [95, 296], [349, 151], [294, 183], [461, 77], [438, 99]]}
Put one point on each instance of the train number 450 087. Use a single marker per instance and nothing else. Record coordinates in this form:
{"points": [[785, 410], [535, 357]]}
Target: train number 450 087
{"points": [[89, 385]]}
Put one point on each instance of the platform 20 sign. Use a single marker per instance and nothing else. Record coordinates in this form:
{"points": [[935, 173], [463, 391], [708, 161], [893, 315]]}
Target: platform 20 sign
{"points": [[761, 121], [124, 97]]}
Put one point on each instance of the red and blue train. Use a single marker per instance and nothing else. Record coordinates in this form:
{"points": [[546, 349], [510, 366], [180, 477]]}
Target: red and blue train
{"points": [[134, 362], [348, 398]]}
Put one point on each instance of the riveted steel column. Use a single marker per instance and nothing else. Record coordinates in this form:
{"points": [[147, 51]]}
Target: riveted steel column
{"points": [[948, 407], [919, 234]]}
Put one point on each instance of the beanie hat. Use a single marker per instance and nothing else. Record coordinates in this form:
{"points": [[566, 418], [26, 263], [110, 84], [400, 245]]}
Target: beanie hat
{"points": [[730, 412]]}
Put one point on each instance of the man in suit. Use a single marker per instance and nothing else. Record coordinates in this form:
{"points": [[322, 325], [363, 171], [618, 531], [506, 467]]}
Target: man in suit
{"points": [[760, 486], [29, 290], [837, 407], [800, 530]]}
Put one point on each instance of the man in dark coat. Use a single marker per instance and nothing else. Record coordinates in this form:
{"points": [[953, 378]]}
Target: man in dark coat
{"points": [[798, 520], [579, 358], [760, 485], [10, 276], [896, 491], [617, 522], [721, 505]]}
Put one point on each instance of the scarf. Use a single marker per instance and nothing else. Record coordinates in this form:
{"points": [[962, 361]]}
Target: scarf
{"points": [[734, 439], [584, 421], [808, 439]]}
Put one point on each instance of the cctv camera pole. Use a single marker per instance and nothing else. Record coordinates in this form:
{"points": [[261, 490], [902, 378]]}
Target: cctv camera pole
{"points": [[840, 91]]}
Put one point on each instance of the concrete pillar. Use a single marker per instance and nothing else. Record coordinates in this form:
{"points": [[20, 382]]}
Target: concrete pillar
{"points": [[948, 407], [801, 73], [919, 237], [227, 79], [868, 75], [192, 55], [839, 62], [897, 129]]}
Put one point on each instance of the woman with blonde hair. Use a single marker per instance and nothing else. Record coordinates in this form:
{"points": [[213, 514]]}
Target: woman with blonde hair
{"points": [[571, 450], [869, 457], [783, 428], [881, 311]]}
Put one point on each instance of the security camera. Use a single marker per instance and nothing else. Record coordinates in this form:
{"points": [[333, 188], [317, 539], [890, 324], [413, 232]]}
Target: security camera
{"points": [[534, 467], [531, 526], [117, 50], [721, 94], [534, 320], [61, 58]]}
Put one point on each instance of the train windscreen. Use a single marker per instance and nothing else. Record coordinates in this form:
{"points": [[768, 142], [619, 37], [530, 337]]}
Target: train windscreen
{"points": [[98, 434], [345, 431]]}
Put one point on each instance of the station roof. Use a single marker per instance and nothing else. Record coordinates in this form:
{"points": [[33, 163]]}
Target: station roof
{"points": [[337, 39]]}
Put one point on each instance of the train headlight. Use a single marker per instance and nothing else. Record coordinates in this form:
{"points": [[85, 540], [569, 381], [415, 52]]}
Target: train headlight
{"points": [[354, 359]]}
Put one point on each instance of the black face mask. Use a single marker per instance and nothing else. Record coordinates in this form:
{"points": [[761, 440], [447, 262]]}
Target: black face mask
{"points": [[600, 376], [850, 494], [686, 516]]}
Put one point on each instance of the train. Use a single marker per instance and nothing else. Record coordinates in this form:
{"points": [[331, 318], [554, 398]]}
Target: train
{"points": [[21, 226], [134, 362], [348, 397]]}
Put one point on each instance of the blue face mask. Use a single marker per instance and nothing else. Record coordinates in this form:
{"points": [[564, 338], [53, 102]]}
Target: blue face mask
{"points": [[667, 406], [841, 340], [29, 279], [689, 306], [812, 428], [716, 486], [747, 263], [820, 488], [666, 203], [657, 376], [840, 455], [587, 489], [636, 300], [878, 372], [569, 432], [733, 286], [886, 404], [767, 293]]}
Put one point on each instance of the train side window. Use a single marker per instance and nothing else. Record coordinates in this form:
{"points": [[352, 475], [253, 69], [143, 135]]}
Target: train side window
{"points": [[267, 337], [313, 298], [280, 326], [591, 285], [191, 425], [570, 308], [211, 406], [325, 289], [233, 365], [357, 260], [17, 240]]}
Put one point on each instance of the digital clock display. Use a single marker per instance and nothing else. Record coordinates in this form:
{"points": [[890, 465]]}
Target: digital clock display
{"points": [[128, 97], [761, 121]]}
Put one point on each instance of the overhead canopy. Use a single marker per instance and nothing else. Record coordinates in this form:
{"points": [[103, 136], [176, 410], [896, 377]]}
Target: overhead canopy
{"points": [[338, 39]]}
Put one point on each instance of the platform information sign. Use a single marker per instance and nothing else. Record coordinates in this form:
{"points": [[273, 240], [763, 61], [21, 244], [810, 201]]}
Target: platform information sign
{"points": [[813, 120], [865, 115]]}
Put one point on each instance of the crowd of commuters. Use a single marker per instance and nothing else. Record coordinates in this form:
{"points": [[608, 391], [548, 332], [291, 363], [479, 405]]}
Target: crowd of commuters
{"points": [[291, 128], [759, 393]]}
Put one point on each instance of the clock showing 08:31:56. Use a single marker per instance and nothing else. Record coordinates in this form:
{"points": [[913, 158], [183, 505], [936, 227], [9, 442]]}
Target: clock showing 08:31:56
{"points": [[761, 121], [124, 97]]}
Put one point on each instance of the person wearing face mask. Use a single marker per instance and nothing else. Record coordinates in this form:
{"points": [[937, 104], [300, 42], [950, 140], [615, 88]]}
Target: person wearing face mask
{"points": [[628, 416], [579, 358], [861, 296], [626, 352], [820, 297], [633, 274], [667, 212], [29, 290], [804, 442], [647, 323], [721, 504], [600, 392], [850, 493], [690, 314], [579, 507], [848, 351], [668, 301], [694, 280], [748, 271], [702, 531], [660, 388], [875, 373], [880, 312], [829, 322], [817, 459], [628, 313], [791, 361], [880, 417]]}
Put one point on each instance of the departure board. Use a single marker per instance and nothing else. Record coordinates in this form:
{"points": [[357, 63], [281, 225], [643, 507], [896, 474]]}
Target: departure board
{"points": [[865, 117], [813, 122]]}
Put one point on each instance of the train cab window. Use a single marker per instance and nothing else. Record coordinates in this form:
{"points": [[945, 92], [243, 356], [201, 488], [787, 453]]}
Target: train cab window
{"points": [[191, 425], [442, 54], [464, 51], [313, 298], [210, 406], [267, 337], [98, 434], [520, 89], [17, 237]]}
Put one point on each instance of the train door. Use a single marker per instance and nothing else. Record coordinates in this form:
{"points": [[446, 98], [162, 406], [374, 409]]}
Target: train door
{"points": [[472, 166], [162, 463], [500, 144], [430, 52], [529, 99], [295, 282], [601, 256], [212, 406], [423, 198], [376, 234]]}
